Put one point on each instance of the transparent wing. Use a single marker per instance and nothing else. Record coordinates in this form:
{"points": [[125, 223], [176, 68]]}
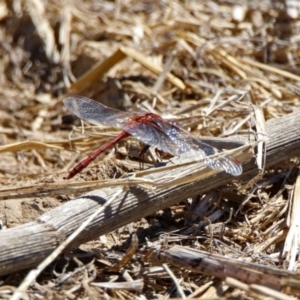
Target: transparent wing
{"points": [[151, 134], [228, 164], [220, 162], [155, 133], [96, 113], [169, 137]]}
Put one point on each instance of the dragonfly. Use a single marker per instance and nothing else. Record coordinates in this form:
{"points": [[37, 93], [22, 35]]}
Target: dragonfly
{"points": [[152, 130]]}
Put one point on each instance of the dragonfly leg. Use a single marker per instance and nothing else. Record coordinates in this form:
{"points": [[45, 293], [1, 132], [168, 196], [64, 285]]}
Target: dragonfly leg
{"points": [[142, 156]]}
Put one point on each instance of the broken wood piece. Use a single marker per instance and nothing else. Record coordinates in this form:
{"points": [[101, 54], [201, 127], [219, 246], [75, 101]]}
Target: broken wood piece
{"points": [[101, 68], [225, 267]]}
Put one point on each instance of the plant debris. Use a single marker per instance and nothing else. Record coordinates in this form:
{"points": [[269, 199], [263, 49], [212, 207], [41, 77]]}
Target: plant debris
{"points": [[217, 68]]}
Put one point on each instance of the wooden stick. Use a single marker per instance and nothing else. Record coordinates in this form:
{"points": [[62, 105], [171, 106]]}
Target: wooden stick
{"points": [[26, 245], [33, 274], [221, 267]]}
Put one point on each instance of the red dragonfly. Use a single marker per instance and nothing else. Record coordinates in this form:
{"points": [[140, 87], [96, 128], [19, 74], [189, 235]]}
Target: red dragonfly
{"points": [[149, 128]]}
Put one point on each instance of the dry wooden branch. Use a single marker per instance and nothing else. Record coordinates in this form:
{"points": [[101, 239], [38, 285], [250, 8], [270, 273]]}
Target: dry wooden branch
{"points": [[26, 245], [224, 267]]}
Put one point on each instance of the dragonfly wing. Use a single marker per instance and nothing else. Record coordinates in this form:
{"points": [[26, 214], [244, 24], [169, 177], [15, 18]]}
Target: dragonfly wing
{"points": [[152, 135], [225, 163], [169, 137], [200, 150], [96, 113]]}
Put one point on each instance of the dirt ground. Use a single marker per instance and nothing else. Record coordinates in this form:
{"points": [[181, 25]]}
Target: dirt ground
{"points": [[205, 65]]}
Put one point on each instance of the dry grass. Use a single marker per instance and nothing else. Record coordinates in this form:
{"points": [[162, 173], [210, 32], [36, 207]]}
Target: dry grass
{"points": [[213, 66]]}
